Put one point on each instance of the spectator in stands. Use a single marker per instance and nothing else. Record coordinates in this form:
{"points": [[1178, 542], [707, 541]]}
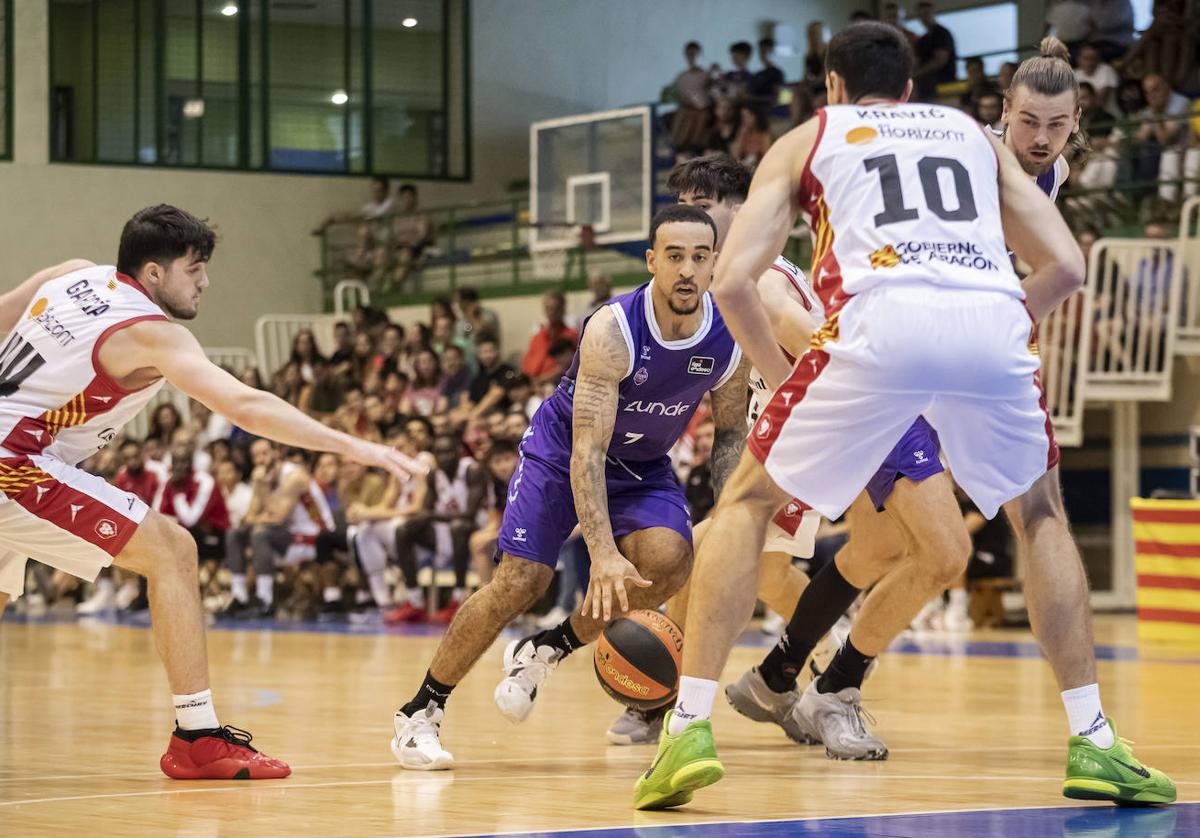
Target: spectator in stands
{"points": [[1098, 169], [698, 486], [1167, 48], [753, 137], [601, 286], [388, 352], [814, 58], [251, 377], [935, 54], [475, 323], [444, 335], [422, 396], [1112, 27], [1163, 133], [736, 82], [289, 384], [305, 353], [500, 463], [1184, 162], [191, 497], [343, 347], [725, 125], [764, 88], [487, 391], [379, 204], [989, 110], [411, 233], [1005, 76], [325, 394], [456, 379], [206, 426], [416, 338], [1131, 101], [235, 492], [978, 85], [537, 363], [690, 125], [362, 359], [163, 424], [1070, 21], [1100, 75]]}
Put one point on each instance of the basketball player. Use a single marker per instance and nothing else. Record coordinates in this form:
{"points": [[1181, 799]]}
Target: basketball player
{"points": [[596, 453], [718, 184], [287, 512], [88, 346], [1045, 93], [925, 317]]}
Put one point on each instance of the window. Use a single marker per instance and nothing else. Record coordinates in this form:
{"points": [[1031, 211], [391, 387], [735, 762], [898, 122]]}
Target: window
{"points": [[332, 86], [6, 79]]}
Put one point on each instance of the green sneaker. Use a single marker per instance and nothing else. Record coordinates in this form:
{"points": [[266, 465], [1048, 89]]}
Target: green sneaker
{"points": [[1114, 774], [683, 764]]}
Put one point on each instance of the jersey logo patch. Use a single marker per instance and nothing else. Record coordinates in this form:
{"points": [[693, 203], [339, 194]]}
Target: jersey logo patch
{"points": [[75, 511], [104, 399], [41, 490], [885, 257], [764, 427], [639, 377], [701, 365], [106, 528]]}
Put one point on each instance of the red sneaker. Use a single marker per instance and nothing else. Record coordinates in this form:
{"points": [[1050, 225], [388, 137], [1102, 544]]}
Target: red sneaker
{"points": [[221, 754], [406, 613], [444, 616]]}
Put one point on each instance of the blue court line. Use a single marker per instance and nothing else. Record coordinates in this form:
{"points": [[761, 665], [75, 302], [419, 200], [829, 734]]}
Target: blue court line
{"points": [[1070, 822], [941, 646]]}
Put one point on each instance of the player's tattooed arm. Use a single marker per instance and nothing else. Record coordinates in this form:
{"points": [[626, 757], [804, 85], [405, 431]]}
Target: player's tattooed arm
{"points": [[604, 359], [729, 404]]}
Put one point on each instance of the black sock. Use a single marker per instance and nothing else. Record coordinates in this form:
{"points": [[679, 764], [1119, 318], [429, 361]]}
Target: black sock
{"points": [[561, 637], [824, 600], [847, 669], [431, 690]]}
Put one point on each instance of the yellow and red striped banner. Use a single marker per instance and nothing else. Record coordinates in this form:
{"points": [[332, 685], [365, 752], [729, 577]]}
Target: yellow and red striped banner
{"points": [[1166, 535]]}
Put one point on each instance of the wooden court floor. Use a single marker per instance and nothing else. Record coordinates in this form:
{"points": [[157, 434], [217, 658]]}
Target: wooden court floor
{"points": [[84, 716]]}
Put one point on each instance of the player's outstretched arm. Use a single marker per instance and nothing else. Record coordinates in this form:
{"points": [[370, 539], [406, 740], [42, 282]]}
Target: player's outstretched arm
{"points": [[14, 302], [729, 404], [603, 361], [758, 235], [791, 323], [1039, 237], [174, 351]]}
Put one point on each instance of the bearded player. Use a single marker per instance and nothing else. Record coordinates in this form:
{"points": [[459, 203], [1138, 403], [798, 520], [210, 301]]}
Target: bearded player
{"points": [[595, 454], [925, 317], [88, 346]]}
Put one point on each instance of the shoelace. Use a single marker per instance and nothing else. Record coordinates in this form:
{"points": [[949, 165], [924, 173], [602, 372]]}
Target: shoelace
{"points": [[235, 736], [856, 712], [532, 673]]}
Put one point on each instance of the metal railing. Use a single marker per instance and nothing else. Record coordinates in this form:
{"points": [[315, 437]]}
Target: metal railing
{"points": [[1188, 341], [1064, 342], [348, 295], [274, 333], [1134, 318]]}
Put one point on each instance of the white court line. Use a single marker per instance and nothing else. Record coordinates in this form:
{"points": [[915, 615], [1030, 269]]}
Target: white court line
{"points": [[459, 778]]}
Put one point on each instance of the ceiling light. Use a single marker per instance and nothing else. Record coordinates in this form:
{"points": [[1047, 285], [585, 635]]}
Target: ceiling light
{"points": [[339, 98], [409, 22], [229, 9]]}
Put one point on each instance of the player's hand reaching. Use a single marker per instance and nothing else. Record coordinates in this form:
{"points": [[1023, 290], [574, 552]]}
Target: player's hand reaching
{"points": [[402, 466], [610, 572]]}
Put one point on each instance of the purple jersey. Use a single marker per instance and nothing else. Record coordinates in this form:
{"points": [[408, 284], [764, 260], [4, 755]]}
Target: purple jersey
{"points": [[664, 382]]}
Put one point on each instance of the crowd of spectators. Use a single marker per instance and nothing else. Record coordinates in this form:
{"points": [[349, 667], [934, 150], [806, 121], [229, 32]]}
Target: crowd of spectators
{"points": [[1139, 94]]}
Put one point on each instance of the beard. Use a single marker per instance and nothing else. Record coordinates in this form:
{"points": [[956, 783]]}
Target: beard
{"points": [[676, 308], [1033, 167]]}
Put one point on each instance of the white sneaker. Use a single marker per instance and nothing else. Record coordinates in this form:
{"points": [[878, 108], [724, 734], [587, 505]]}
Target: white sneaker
{"points": [[840, 722], [773, 624], [417, 745], [102, 599], [126, 594], [525, 669], [552, 618], [637, 727], [955, 621]]}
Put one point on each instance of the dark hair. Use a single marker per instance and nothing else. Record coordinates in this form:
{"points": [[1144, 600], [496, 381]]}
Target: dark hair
{"points": [[454, 347], [467, 294], [560, 346], [681, 214], [714, 176], [766, 43], [693, 45], [128, 441], [976, 60], [741, 48], [501, 446], [1049, 73], [162, 234], [873, 59], [423, 421], [407, 187], [520, 380], [381, 180], [858, 16], [488, 338]]}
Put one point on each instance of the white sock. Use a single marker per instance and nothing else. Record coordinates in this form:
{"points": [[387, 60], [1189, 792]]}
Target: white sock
{"points": [[958, 601], [694, 703], [237, 587], [195, 711], [379, 589], [264, 587], [1086, 717], [332, 594]]}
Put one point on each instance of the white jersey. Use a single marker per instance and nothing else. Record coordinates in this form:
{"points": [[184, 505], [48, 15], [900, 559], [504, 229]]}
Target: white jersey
{"points": [[451, 494], [54, 397], [760, 394], [904, 194], [311, 515]]}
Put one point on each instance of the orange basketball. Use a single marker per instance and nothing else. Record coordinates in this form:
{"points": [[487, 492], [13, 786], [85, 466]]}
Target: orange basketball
{"points": [[638, 658]]}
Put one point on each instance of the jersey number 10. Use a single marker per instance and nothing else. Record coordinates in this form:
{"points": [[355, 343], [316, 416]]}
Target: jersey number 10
{"points": [[894, 208]]}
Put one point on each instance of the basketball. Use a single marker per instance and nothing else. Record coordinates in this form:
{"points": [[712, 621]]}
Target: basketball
{"points": [[638, 658]]}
